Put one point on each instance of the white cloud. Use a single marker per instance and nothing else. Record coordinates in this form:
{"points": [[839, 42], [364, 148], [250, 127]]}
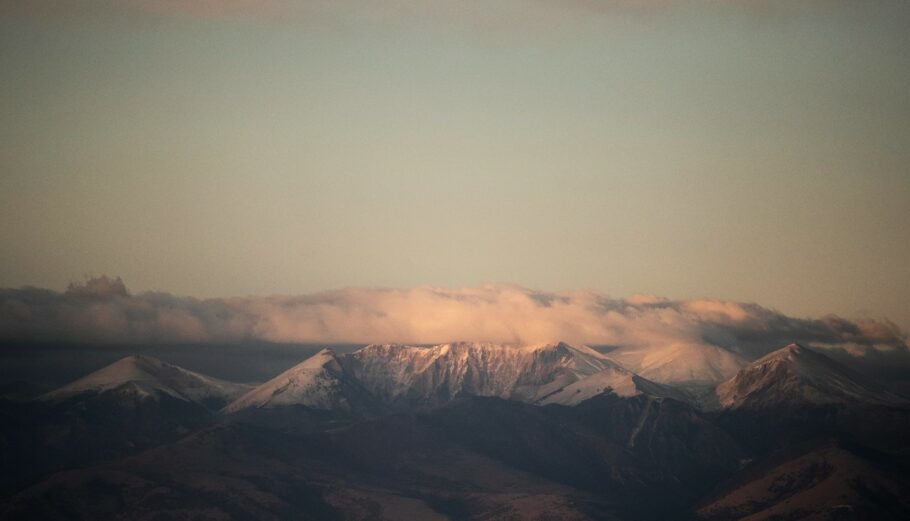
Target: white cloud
{"points": [[102, 311]]}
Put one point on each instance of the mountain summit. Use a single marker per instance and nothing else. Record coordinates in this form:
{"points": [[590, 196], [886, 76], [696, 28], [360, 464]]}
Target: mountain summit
{"points": [[796, 375], [319, 382], [146, 377], [680, 364]]}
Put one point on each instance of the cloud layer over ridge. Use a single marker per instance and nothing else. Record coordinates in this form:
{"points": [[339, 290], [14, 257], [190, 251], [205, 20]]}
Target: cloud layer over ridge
{"points": [[102, 311]]}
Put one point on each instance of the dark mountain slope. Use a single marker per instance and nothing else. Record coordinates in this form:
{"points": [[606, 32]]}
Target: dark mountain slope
{"points": [[822, 480], [478, 458]]}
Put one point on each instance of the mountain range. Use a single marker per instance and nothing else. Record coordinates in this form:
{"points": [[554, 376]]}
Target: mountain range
{"points": [[399, 377], [466, 431]]}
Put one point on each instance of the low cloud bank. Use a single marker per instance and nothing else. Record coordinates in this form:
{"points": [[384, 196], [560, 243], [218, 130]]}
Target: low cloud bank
{"points": [[103, 311]]}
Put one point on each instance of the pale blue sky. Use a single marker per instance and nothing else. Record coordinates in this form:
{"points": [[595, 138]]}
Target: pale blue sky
{"points": [[756, 153]]}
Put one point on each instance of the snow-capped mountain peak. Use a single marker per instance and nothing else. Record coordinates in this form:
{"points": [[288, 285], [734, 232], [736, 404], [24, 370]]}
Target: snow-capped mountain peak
{"points": [[319, 382], [796, 374], [324, 359], [147, 376], [686, 364]]}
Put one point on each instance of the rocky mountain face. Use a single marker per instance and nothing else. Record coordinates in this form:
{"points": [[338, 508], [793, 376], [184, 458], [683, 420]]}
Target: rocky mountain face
{"points": [[797, 376], [398, 377], [439, 373]]}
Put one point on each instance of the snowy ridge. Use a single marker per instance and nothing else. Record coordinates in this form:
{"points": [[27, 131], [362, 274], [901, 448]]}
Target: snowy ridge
{"points": [[798, 375], [403, 375], [445, 371], [613, 379], [145, 376]]}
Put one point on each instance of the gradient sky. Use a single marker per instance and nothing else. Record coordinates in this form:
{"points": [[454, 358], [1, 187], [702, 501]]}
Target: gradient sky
{"points": [[752, 150]]}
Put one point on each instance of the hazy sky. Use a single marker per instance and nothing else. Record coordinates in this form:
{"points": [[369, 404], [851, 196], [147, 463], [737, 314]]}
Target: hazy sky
{"points": [[747, 150]]}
